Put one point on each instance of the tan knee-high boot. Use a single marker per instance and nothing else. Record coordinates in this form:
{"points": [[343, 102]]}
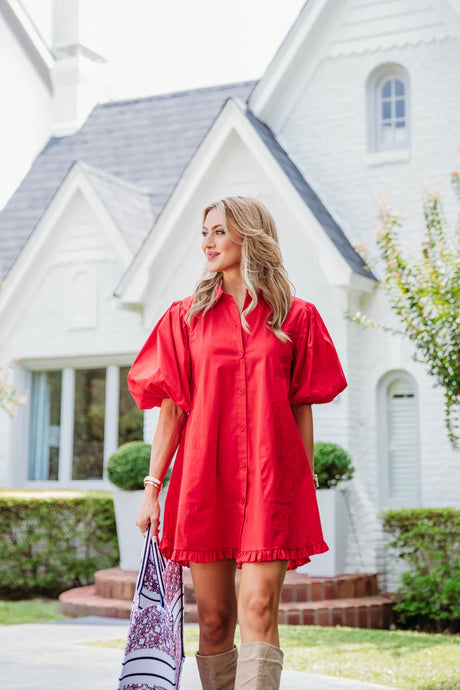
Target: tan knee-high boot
{"points": [[217, 671], [259, 666]]}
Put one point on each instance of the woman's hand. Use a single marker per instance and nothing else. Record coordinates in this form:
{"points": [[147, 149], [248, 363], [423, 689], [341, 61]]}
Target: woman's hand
{"points": [[149, 512]]}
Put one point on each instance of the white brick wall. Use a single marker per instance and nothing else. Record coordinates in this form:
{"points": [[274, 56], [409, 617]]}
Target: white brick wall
{"points": [[326, 135]]}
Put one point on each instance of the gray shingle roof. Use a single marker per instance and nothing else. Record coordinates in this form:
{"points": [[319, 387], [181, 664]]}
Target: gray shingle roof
{"points": [[134, 152], [333, 230], [147, 142]]}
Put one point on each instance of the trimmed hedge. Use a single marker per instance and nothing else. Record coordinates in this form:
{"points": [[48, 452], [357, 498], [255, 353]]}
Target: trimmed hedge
{"points": [[51, 542], [332, 464], [428, 540]]}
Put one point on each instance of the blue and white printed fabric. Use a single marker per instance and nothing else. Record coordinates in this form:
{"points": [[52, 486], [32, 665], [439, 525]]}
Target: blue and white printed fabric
{"points": [[154, 652]]}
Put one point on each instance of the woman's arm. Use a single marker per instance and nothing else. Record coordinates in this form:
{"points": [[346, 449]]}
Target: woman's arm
{"points": [[164, 445], [304, 419]]}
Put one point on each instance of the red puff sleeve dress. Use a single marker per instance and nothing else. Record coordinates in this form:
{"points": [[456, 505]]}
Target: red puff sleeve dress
{"points": [[241, 485]]}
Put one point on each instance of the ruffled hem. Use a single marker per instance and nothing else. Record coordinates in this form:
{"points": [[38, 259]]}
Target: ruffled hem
{"points": [[296, 556]]}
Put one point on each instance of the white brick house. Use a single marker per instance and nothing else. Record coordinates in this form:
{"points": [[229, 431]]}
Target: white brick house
{"points": [[361, 99]]}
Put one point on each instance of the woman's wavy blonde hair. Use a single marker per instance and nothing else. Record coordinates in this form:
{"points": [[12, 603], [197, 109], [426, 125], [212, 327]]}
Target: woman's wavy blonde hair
{"points": [[249, 223]]}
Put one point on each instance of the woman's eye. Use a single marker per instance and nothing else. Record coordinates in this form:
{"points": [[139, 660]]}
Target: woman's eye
{"points": [[220, 232], [204, 233]]}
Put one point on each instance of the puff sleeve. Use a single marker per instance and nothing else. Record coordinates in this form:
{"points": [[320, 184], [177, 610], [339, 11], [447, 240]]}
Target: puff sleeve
{"points": [[162, 367], [316, 374]]}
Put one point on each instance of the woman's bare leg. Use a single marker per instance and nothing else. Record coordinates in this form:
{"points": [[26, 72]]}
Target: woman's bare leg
{"points": [[214, 585], [258, 600]]}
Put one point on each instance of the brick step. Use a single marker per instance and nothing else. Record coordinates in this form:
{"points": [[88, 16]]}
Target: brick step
{"points": [[298, 587], [84, 601], [364, 612]]}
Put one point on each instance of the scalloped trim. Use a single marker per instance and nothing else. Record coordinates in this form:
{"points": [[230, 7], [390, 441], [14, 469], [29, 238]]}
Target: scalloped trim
{"points": [[296, 556]]}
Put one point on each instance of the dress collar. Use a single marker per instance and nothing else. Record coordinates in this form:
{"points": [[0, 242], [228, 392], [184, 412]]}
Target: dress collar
{"points": [[220, 292]]}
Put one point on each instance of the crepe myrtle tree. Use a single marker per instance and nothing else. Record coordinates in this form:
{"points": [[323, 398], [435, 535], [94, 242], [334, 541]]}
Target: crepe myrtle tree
{"points": [[10, 400], [424, 292]]}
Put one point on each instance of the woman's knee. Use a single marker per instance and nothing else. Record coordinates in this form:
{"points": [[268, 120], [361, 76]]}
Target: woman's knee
{"points": [[258, 610], [215, 625]]}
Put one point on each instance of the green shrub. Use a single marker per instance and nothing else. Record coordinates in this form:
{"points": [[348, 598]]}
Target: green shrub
{"points": [[428, 540], [50, 543], [130, 463], [332, 465]]}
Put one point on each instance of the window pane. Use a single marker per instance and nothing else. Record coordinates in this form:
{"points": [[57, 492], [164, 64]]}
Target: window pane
{"points": [[386, 110], [387, 132], [399, 87], [45, 425], [131, 419], [400, 107], [400, 131], [88, 439], [386, 89]]}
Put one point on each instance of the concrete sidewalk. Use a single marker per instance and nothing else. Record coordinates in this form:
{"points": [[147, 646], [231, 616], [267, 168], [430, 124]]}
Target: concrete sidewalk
{"points": [[54, 656]]}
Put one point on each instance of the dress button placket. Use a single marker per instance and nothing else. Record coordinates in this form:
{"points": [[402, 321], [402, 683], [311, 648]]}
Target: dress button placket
{"points": [[241, 388]]}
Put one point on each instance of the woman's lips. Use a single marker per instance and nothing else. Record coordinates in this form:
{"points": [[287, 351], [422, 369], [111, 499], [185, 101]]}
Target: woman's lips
{"points": [[212, 256]]}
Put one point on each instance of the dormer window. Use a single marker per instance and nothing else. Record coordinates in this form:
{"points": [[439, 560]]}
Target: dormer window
{"points": [[388, 109]]}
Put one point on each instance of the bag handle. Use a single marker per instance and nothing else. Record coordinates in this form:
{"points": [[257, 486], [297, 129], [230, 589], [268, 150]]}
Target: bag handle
{"points": [[144, 560], [151, 547], [159, 567]]}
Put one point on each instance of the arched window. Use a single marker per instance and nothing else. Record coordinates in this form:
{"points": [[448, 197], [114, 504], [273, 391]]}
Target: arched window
{"points": [[399, 447], [388, 108]]}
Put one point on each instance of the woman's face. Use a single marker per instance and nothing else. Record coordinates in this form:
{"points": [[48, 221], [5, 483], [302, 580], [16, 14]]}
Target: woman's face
{"points": [[222, 254]]}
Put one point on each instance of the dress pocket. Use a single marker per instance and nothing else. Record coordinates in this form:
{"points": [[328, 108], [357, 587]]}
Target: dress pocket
{"points": [[276, 476]]}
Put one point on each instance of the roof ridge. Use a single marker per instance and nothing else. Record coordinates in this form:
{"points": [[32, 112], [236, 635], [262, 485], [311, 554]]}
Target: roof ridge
{"points": [[173, 94], [100, 172]]}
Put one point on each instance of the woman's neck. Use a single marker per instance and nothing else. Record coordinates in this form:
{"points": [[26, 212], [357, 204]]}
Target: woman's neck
{"points": [[234, 285]]}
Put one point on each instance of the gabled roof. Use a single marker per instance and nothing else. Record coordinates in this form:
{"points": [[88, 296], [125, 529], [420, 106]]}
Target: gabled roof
{"points": [[128, 206], [146, 142], [314, 203], [333, 252], [134, 153]]}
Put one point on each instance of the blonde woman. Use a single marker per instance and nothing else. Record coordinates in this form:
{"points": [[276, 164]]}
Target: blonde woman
{"points": [[235, 368]]}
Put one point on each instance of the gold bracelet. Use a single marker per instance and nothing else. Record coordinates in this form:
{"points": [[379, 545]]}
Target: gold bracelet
{"points": [[152, 484], [315, 479], [153, 481]]}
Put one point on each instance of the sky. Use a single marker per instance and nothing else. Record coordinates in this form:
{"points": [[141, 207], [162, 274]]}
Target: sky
{"points": [[159, 46]]}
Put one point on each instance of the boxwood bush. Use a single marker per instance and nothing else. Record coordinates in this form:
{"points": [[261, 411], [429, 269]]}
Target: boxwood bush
{"points": [[127, 467], [428, 541], [332, 465], [52, 541]]}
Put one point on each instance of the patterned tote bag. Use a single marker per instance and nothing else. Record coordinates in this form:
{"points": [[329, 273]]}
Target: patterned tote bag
{"points": [[154, 652]]}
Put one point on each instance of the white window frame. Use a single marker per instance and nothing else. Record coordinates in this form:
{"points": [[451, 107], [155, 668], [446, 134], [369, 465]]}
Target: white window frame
{"points": [[21, 426], [379, 151], [386, 500]]}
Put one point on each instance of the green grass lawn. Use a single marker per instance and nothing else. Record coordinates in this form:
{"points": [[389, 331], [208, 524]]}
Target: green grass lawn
{"points": [[399, 658], [403, 659], [29, 611]]}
